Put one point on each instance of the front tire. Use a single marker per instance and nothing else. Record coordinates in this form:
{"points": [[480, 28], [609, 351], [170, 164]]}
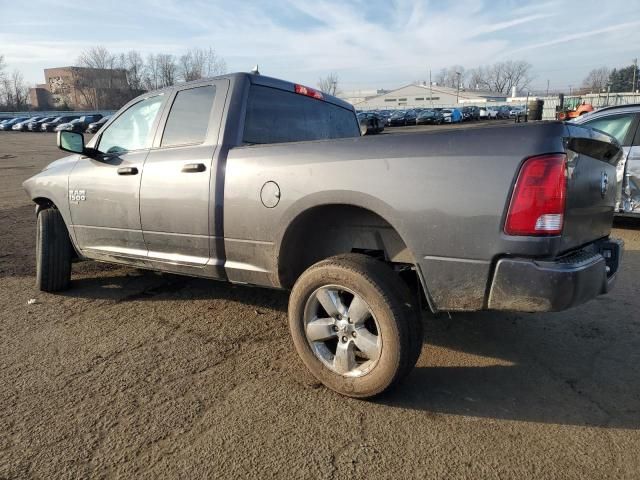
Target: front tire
{"points": [[53, 252], [355, 325]]}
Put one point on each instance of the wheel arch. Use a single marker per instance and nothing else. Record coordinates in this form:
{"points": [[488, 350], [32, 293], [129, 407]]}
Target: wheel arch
{"points": [[336, 223]]}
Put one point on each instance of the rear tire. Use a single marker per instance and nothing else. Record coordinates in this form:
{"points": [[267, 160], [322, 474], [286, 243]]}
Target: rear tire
{"points": [[53, 252], [397, 333]]}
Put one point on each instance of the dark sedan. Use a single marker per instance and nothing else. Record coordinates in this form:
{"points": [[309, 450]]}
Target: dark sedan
{"points": [[34, 125], [8, 125], [95, 126], [372, 121], [79, 124], [51, 126], [430, 117], [23, 126], [402, 118]]}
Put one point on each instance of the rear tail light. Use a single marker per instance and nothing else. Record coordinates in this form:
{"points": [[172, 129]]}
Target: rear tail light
{"points": [[309, 92], [537, 204]]}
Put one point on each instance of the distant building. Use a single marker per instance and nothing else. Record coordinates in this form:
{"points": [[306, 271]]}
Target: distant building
{"points": [[423, 95], [358, 96], [78, 88]]}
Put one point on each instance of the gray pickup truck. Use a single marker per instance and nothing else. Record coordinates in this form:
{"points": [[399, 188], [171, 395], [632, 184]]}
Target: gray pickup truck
{"points": [[258, 181]]}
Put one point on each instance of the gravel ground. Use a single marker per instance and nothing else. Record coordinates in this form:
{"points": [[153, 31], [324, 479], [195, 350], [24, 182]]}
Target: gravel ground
{"points": [[136, 374]]}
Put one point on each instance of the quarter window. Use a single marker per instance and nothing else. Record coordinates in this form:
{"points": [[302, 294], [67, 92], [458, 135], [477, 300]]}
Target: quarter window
{"points": [[133, 129], [189, 117]]}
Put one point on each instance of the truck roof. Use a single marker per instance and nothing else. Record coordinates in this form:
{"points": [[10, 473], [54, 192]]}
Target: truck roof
{"points": [[257, 79]]}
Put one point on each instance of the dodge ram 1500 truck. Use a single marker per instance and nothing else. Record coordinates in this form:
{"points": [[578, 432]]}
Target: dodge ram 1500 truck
{"points": [[253, 180]]}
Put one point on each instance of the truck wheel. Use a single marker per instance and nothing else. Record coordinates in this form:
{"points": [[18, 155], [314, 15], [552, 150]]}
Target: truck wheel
{"points": [[354, 325], [53, 252]]}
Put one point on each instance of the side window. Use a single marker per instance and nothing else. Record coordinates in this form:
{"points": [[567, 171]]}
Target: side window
{"points": [[132, 129], [275, 116], [189, 117], [615, 125]]}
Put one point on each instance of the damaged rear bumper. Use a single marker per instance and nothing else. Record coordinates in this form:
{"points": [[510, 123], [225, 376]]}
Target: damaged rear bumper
{"points": [[529, 285]]}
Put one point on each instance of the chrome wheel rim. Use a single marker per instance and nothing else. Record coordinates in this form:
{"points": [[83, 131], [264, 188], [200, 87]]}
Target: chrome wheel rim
{"points": [[342, 331]]}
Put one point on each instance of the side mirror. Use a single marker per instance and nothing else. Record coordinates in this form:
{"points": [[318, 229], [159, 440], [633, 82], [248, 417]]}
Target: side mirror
{"points": [[71, 141]]}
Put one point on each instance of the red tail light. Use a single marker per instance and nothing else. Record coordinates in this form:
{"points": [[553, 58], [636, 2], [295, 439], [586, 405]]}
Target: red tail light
{"points": [[537, 204], [309, 92]]}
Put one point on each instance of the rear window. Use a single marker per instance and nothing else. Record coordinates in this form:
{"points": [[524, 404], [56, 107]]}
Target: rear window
{"points": [[276, 116], [189, 117]]}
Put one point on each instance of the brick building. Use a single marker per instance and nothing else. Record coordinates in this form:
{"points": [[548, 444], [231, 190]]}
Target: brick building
{"points": [[78, 88]]}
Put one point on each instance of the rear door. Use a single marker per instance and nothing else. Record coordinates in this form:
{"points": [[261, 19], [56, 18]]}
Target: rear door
{"points": [[622, 126], [177, 204], [104, 190], [631, 195]]}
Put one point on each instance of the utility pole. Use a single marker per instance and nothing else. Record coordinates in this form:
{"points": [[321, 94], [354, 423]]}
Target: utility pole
{"points": [[547, 88], [430, 89], [569, 90], [458, 91], [635, 71]]}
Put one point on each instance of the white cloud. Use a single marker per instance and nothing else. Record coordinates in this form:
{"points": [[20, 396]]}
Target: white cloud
{"points": [[369, 44]]}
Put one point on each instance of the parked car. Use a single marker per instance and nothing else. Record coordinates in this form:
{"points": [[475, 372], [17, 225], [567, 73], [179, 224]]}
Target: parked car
{"points": [[402, 118], [503, 112], [50, 126], [35, 125], [79, 124], [8, 125], [371, 122], [622, 123], [432, 117], [488, 113], [22, 126], [270, 190], [93, 127], [516, 112], [452, 115], [470, 113]]}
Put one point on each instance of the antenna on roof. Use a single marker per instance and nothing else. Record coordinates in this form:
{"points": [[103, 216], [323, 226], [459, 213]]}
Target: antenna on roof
{"points": [[255, 70]]}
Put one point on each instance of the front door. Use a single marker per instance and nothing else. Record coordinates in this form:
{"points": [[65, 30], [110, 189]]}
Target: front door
{"points": [[104, 190], [176, 194]]}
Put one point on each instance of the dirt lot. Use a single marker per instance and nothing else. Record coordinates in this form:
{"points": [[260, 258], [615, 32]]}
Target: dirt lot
{"points": [[139, 375]]}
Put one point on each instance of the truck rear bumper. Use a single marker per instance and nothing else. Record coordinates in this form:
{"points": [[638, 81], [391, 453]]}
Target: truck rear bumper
{"points": [[528, 285]]}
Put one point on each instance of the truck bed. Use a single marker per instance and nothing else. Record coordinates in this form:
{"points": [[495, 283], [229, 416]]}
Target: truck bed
{"points": [[445, 192]]}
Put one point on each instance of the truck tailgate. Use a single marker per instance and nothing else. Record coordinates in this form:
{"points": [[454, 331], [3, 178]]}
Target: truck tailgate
{"points": [[592, 157]]}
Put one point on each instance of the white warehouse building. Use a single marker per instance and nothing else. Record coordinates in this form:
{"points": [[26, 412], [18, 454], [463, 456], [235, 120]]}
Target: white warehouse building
{"points": [[423, 95]]}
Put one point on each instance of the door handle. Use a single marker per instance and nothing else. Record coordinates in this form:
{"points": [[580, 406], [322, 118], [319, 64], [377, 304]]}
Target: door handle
{"points": [[127, 171], [193, 167]]}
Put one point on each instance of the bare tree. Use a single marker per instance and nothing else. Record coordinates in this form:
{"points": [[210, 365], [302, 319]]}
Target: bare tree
{"points": [[451, 77], [200, 63], [97, 57], [101, 79], [167, 69], [2, 67], [501, 77], [329, 84], [134, 65], [151, 77], [597, 79], [14, 92]]}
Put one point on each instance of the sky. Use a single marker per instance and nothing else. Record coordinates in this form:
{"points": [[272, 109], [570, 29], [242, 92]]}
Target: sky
{"points": [[369, 44]]}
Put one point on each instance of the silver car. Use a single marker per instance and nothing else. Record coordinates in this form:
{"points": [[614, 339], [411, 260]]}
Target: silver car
{"points": [[622, 122]]}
